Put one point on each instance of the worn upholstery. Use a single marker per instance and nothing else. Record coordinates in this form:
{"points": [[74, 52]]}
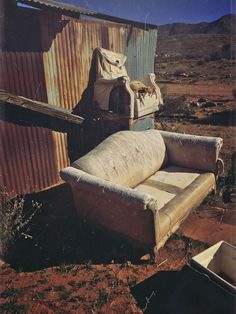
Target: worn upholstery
{"points": [[192, 151], [111, 73], [125, 158], [142, 185]]}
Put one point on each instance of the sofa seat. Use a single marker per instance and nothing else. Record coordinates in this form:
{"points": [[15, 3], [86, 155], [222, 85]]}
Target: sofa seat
{"points": [[176, 187], [142, 185], [165, 184]]}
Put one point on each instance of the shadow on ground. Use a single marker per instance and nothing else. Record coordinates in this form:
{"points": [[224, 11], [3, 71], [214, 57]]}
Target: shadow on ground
{"points": [[59, 237], [223, 118], [186, 291]]}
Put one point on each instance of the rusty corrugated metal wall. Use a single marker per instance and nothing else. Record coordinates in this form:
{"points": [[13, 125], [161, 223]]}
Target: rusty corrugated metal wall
{"points": [[68, 59], [33, 156], [27, 153]]}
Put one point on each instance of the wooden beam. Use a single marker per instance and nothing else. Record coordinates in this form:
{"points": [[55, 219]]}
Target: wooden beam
{"points": [[40, 107]]}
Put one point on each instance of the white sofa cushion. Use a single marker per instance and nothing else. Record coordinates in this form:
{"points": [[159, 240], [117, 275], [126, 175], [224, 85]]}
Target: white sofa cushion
{"points": [[126, 158], [166, 183]]}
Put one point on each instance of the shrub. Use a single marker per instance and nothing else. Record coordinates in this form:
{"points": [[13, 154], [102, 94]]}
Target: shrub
{"points": [[201, 62], [207, 58], [215, 56], [176, 105], [226, 51], [179, 71], [15, 221]]}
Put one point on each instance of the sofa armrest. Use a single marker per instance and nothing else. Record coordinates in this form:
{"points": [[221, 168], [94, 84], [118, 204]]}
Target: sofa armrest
{"points": [[113, 206], [106, 189], [191, 151], [149, 80]]}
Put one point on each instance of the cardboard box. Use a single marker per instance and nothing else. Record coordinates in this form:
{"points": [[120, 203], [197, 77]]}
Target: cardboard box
{"points": [[219, 263]]}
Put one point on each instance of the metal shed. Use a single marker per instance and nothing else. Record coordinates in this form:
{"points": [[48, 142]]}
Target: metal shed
{"points": [[51, 63]]}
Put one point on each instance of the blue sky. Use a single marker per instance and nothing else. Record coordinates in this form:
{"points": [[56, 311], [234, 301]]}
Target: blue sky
{"points": [[161, 11]]}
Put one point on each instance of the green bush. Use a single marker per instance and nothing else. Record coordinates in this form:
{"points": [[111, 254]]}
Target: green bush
{"points": [[15, 222]]}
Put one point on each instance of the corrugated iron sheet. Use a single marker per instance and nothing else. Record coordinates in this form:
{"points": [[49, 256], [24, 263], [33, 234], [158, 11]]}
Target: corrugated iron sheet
{"points": [[75, 11], [28, 154], [59, 5], [33, 156], [67, 63], [140, 50]]}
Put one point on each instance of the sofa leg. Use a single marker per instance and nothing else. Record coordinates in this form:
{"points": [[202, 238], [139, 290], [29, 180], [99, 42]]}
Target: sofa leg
{"points": [[155, 254]]}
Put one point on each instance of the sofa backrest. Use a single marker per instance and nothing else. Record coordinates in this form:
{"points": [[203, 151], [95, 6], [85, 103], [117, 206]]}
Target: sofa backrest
{"points": [[126, 157]]}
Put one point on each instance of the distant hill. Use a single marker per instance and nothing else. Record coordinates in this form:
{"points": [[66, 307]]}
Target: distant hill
{"points": [[224, 25], [214, 40]]}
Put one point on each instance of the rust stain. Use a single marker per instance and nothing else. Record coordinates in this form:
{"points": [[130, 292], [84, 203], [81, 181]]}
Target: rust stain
{"points": [[27, 153], [59, 75]]}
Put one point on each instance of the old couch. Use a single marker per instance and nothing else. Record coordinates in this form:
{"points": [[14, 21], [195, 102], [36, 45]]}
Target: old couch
{"points": [[142, 185]]}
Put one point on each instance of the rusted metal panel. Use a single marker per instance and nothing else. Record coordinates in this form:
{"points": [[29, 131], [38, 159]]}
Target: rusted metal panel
{"points": [[67, 63], [140, 51], [58, 5], [28, 153], [23, 74], [27, 158], [66, 66], [116, 38], [33, 156], [76, 11]]}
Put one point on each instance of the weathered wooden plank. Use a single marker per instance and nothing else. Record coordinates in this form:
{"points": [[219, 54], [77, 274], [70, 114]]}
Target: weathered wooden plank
{"points": [[43, 108]]}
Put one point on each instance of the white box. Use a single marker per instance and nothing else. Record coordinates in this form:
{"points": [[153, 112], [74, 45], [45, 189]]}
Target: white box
{"points": [[219, 262]]}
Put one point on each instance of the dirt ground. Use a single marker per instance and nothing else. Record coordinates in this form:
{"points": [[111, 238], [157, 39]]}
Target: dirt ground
{"points": [[60, 274]]}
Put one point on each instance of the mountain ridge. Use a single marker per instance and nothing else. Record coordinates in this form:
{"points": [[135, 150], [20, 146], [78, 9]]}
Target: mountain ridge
{"points": [[213, 40], [224, 25]]}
